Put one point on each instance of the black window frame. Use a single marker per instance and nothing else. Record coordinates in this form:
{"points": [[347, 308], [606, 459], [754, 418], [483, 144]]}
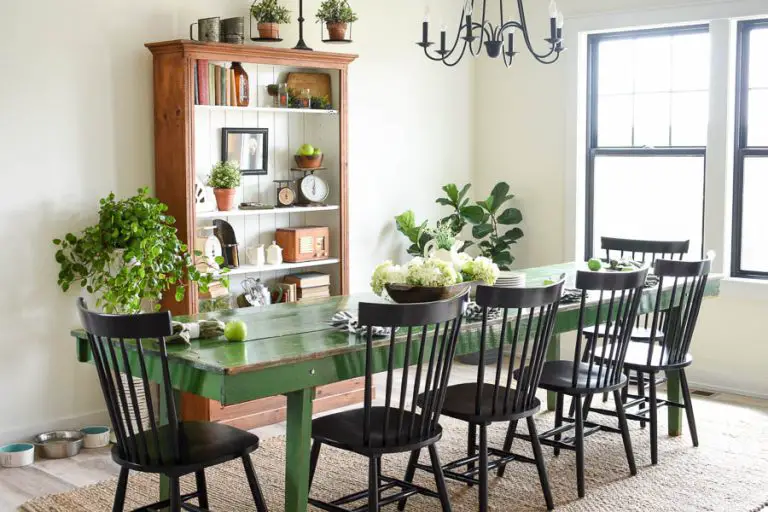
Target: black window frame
{"points": [[594, 150], [742, 151]]}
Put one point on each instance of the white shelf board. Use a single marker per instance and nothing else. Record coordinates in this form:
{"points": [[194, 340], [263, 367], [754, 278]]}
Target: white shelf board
{"points": [[267, 109], [251, 269], [249, 213]]}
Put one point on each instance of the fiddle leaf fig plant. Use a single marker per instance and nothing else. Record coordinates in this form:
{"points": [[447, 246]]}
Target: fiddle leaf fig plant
{"points": [[491, 220], [130, 256]]}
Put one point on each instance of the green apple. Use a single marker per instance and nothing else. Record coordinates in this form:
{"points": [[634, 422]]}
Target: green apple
{"points": [[318, 152], [595, 264], [548, 282], [306, 150], [236, 330]]}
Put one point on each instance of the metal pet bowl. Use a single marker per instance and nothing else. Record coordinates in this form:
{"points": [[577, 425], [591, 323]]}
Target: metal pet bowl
{"points": [[59, 444]]}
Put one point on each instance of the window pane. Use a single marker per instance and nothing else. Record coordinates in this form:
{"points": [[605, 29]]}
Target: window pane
{"points": [[652, 119], [690, 62], [757, 120], [690, 115], [758, 53], [652, 198], [614, 120], [653, 61], [754, 237], [615, 71]]}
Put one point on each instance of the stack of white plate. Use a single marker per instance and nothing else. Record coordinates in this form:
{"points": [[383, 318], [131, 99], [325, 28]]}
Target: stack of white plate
{"points": [[510, 279]]}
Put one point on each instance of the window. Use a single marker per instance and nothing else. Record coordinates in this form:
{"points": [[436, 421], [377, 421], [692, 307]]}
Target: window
{"points": [[648, 106], [750, 208]]}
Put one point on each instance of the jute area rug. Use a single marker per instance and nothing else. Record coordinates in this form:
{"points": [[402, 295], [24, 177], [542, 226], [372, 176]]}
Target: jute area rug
{"points": [[728, 472]]}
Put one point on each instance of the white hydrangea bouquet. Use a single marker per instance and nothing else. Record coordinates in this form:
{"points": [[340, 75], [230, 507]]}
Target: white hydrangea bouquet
{"points": [[434, 273]]}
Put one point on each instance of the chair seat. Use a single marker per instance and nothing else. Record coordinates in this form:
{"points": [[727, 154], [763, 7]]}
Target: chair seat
{"points": [[638, 333], [345, 430], [557, 376], [460, 404], [637, 358], [201, 444]]}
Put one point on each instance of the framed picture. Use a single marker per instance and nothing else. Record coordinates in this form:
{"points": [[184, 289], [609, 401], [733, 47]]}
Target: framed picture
{"points": [[248, 147]]}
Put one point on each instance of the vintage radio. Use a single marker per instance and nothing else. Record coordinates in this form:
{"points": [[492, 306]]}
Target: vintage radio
{"points": [[304, 244]]}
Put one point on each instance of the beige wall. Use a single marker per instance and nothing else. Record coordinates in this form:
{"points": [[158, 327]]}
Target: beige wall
{"points": [[524, 137], [76, 111]]}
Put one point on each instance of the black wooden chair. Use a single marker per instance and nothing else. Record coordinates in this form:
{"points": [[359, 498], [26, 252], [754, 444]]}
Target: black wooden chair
{"points": [[646, 251], [670, 350], [118, 344], [618, 299], [423, 335], [480, 404]]}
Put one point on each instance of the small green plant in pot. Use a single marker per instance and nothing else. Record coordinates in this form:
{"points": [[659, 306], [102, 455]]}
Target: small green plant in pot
{"points": [[336, 14], [269, 15], [224, 178], [130, 258]]}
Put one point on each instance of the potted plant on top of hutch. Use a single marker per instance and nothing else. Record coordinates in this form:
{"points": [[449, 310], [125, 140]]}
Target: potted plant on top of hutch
{"points": [[336, 14], [269, 15]]}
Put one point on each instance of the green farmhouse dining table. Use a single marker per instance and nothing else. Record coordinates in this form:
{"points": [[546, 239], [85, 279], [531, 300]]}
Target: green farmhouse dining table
{"points": [[292, 349]]}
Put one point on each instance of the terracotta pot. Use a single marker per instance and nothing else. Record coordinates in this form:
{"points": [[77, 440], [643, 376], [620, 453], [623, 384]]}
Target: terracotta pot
{"points": [[225, 198], [309, 162], [269, 30], [337, 31]]}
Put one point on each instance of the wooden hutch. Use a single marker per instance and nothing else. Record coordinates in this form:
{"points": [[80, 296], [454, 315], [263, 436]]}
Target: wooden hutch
{"points": [[188, 142]]}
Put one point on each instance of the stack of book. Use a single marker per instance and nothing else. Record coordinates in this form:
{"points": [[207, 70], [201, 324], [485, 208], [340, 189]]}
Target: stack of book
{"points": [[215, 84], [310, 285]]}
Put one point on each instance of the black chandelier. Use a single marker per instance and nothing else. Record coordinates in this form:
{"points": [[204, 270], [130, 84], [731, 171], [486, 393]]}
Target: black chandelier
{"points": [[492, 36]]}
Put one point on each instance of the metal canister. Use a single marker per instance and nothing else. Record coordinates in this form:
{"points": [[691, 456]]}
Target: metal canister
{"points": [[233, 30]]}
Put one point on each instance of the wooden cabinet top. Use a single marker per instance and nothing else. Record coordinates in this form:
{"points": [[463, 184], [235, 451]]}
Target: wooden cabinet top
{"points": [[252, 53]]}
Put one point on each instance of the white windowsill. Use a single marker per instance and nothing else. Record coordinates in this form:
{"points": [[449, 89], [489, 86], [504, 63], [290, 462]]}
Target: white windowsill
{"points": [[744, 289]]}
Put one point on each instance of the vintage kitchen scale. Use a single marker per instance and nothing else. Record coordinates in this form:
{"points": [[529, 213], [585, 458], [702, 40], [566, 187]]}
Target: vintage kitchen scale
{"points": [[312, 189], [285, 194]]}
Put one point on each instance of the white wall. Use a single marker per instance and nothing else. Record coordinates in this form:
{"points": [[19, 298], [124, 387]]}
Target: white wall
{"points": [[76, 123], [529, 134]]}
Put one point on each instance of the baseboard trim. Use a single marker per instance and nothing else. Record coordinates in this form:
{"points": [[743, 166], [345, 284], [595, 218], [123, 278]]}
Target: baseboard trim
{"points": [[99, 417], [726, 389]]}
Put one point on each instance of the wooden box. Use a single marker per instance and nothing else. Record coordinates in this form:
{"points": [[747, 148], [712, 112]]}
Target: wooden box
{"points": [[304, 244]]}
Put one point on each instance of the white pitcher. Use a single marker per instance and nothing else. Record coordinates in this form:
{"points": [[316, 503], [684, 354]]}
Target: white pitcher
{"points": [[274, 254], [256, 255]]}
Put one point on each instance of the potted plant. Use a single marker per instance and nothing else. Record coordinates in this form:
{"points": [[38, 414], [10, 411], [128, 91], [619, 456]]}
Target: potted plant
{"points": [[224, 178], [130, 257], [336, 14], [269, 16]]}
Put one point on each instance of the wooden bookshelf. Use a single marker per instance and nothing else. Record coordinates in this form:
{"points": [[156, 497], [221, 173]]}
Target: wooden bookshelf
{"points": [[175, 172]]}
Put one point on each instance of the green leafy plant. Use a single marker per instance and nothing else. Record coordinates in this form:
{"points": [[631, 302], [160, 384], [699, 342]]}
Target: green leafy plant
{"points": [[131, 255], [270, 11], [224, 175], [490, 221], [336, 11]]}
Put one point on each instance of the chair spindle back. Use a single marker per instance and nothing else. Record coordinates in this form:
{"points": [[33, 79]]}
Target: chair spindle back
{"points": [[423, 336], [117, 343], [615, 314]]}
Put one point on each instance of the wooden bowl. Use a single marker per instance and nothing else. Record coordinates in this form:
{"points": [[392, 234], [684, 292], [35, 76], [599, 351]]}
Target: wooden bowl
{"points": [[309, 162], [408, 294]]}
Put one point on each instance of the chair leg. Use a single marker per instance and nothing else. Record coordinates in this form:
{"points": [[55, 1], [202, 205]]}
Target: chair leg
{"points": [[689, 407], [559, 419], [483, 474], [471, 445], [641, 393], [314, 455], [409, 474], [654, 419], [540, 463], [507, 445], [253, 483], [587, 405], [437, 469], [579, 446], [122, 485], [624, 426], [373, 484], [625, 389], [202, 488], [175, 495]]}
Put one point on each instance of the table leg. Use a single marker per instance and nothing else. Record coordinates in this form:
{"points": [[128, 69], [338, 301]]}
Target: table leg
{"points": [[553, 354], [674, 394], [297, 449]]}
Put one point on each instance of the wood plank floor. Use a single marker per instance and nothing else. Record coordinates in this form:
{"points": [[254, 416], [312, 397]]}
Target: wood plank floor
{"points": [[91, 466]]}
